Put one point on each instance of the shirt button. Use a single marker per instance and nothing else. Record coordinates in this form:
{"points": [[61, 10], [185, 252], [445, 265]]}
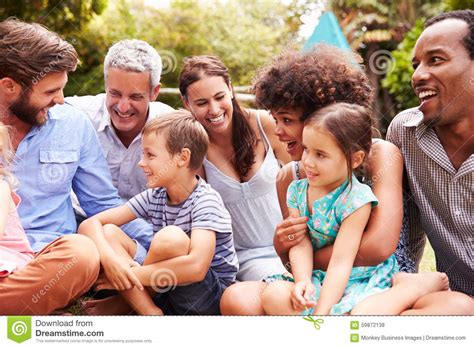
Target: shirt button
{"points": [[457, 212]]}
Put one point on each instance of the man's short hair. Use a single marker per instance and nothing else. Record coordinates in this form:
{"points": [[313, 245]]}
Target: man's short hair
{"points": [[28, 52], [181, 130], [464, 15], [134, 55]]}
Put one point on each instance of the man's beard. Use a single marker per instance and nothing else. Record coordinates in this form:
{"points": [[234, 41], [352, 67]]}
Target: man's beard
{"points": [[25, 111]]}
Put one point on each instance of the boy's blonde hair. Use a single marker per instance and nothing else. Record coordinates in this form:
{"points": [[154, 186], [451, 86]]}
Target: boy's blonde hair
{"points": [[6, 154], [181, 130]]}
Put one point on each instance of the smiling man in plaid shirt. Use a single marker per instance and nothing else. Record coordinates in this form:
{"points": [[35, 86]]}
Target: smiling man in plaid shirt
{"points": [[437, 142]]}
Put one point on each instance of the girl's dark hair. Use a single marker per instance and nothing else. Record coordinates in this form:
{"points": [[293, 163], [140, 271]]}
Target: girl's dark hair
{"points": [[243, 136], [351, 127], [312, 80]]}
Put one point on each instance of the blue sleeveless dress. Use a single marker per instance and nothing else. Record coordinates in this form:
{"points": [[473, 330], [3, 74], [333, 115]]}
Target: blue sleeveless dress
{"points": [[328, 215]]}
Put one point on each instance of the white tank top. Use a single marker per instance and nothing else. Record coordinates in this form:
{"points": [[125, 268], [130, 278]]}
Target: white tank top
{"points": [[253, 205]]}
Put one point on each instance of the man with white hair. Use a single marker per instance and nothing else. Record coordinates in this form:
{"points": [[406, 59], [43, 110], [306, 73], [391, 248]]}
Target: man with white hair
{"points": [[132, 70]]}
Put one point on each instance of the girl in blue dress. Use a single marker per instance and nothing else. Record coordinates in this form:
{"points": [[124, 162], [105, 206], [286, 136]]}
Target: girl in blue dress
{"points": [[336, 141]]}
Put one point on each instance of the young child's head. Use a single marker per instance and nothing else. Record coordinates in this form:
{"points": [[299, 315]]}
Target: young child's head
{"points": [[6, 154], [337, 140], [173, 144]]}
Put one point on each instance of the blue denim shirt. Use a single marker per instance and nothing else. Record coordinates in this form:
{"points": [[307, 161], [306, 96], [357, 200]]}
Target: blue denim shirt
{"points": [[51, 160]]}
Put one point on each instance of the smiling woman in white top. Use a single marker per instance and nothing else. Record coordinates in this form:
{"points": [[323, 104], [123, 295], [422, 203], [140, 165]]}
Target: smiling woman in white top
{"points": [[241, 164]]}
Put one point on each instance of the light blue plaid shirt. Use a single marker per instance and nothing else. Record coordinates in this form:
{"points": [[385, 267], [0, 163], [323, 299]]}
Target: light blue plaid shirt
{"points": [[51, 160]]}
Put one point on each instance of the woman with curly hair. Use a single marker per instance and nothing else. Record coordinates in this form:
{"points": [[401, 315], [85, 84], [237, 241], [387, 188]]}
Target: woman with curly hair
{"points": [[242, 162], [292, 87]]}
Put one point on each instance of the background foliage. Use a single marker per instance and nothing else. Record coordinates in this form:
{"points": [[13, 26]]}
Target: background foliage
{"points": [[245, 34], [398, 80]]}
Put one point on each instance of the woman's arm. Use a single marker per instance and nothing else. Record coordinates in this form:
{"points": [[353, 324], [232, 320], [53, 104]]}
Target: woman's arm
{"points": [[288, 234], [5, 202], [382, 233], [292, 229], [284, 179], [340, 266]]}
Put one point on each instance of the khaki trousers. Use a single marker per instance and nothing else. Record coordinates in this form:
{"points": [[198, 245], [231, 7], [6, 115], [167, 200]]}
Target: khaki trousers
{"points": [[59, 273]]}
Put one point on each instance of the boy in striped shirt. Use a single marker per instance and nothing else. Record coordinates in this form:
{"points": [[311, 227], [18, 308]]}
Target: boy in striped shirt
{"points": [[191, 259]]}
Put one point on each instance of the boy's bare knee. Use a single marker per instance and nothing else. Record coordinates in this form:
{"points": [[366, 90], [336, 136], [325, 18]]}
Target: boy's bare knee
{"points": [[171, 241]]}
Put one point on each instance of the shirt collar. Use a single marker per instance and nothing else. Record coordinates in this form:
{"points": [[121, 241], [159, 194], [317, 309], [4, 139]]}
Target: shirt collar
{"points": [[415, 120], [105, 119]]}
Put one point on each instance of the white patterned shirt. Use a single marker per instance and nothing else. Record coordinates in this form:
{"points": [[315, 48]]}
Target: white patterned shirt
{"points": [[443, 195], [127, 177]]}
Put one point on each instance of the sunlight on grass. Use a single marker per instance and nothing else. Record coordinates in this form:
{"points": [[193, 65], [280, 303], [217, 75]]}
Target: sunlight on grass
{"points": [[428, 262]]}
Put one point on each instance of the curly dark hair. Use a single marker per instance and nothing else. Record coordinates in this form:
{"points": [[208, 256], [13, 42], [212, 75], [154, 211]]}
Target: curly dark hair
{"points": [[464, 15], [312, 80]]}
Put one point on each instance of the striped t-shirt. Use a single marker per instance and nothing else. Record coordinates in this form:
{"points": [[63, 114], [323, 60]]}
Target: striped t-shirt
{"points": [[203, 209]]}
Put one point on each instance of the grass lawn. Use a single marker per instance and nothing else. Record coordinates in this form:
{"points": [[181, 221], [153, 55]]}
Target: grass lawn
{"points": [[428, 263]]}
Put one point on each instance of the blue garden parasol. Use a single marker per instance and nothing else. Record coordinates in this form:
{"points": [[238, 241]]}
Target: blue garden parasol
{"points": [[328, 31]]}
